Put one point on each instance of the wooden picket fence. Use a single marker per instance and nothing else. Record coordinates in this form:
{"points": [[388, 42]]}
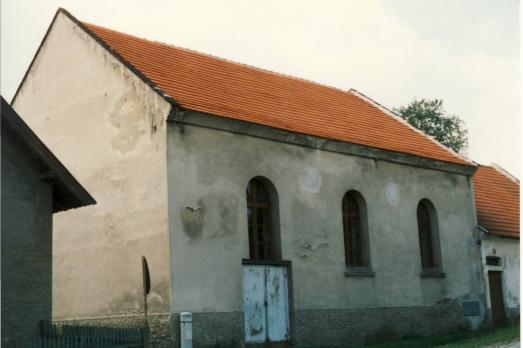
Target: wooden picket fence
{"points": [[74, 336]]}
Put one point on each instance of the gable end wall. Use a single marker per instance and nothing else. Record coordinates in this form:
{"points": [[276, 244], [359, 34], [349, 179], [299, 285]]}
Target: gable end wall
{"points": [[108, 127]]}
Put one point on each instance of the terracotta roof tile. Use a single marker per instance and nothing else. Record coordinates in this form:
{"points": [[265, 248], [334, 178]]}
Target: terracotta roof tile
{"points": [[497, 201], [216, 86]]}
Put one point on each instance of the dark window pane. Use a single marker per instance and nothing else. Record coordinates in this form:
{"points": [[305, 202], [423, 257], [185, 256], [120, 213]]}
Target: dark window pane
{"points": [[249, 216], [352, 231], [249, 196], [425, 236], [259, 219], [493, 261], [262, 197]]}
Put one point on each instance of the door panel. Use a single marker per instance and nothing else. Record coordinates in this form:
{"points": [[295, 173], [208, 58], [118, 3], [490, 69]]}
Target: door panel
{"points": [[255, 316], [277, 304], [266, 304], [496, 298]]}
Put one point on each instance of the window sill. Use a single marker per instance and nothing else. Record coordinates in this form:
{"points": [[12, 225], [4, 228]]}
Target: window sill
{"points": [[266, 262], [432, 273], [359, 272]]}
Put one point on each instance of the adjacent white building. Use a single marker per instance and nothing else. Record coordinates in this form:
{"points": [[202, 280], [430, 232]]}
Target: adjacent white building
{"points": [[497, 203]]}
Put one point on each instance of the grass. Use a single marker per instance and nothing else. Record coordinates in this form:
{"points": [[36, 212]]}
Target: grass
{"points": [[461, 339]]}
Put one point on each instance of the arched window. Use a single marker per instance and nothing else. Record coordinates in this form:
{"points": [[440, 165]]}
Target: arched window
{"points": [[261, 219], [355, 231], [428, 235]]}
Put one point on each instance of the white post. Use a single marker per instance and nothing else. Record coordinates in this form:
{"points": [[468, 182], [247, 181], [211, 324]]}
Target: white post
{"points": [[186, 330]]}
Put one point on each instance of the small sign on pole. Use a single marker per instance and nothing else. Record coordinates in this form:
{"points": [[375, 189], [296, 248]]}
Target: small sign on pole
{"points": [[146, 285]]}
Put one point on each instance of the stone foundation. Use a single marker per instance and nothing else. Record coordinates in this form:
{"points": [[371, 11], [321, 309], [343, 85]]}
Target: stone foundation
{"points": [[332, 327], [354, 327], [309, 328], [216, 330]]}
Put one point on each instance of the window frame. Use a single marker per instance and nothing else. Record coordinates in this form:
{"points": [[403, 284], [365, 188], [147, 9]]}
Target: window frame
{"points": [[361, 267], [269, 239], [428, 231]]}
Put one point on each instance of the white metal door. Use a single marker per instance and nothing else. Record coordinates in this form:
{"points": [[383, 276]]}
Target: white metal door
{"points": [[266, 303], [277, 304], [255, 316]]}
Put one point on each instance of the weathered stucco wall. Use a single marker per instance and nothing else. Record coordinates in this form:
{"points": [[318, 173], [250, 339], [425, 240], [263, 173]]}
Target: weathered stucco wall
{"points": [[209, 170], [108, 128], [27, 209], [507, 249]]}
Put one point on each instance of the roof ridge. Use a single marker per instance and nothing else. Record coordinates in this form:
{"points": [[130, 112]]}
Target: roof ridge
{"points": [[227, 60], [400, 119]]}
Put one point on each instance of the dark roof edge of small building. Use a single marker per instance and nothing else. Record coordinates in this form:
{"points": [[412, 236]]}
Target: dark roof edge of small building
{"points": [[68, 192]]}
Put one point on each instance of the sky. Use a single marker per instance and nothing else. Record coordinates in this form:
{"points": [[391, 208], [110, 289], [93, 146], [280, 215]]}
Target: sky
{"points": [[464, 52]]}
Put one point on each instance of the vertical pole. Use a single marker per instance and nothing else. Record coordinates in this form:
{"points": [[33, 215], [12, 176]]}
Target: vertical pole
{"points": [[145, 308], [146, 289], [186, 330]]}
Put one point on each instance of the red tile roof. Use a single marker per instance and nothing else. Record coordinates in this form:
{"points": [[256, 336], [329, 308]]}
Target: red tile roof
{"points": [[497, 201], [216, 86]]}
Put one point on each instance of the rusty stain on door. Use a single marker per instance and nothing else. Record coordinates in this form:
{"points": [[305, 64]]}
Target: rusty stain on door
{"points": [[266, 303]]}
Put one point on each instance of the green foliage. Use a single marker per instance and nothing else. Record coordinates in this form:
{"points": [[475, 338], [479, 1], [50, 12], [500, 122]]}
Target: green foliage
{"points": [[430, 117]]}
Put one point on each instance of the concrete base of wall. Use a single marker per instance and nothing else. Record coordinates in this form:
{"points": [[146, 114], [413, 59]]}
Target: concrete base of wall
{"points": [[213, 330], [332, 327], [354, 327], [310, 328]]}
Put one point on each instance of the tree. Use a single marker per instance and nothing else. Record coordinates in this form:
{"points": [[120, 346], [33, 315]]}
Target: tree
{"points": [[430, 117]]}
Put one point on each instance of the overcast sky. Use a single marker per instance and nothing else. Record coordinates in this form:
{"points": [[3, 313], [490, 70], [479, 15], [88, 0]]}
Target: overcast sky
{"points": [[465, 52]]}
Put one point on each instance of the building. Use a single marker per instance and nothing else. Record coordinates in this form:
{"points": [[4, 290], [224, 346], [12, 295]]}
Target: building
{"points": [[497, 203], [34, 186], [272, 208]]}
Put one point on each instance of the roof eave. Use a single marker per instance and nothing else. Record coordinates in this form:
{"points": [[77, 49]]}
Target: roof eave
{"points": [[196, 118], [504, 234]]}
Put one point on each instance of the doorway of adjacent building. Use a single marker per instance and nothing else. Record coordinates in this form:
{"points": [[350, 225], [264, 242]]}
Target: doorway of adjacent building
{"points": [[266, 304], [496, 298]]}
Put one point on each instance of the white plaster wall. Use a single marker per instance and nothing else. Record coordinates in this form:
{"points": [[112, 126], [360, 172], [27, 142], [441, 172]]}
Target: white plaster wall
{"points": [[209, 169], [108, 128], [508, 250]]}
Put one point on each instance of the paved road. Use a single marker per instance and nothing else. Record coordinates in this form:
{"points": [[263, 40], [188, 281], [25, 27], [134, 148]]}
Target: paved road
{"points": [[509, 344]]}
